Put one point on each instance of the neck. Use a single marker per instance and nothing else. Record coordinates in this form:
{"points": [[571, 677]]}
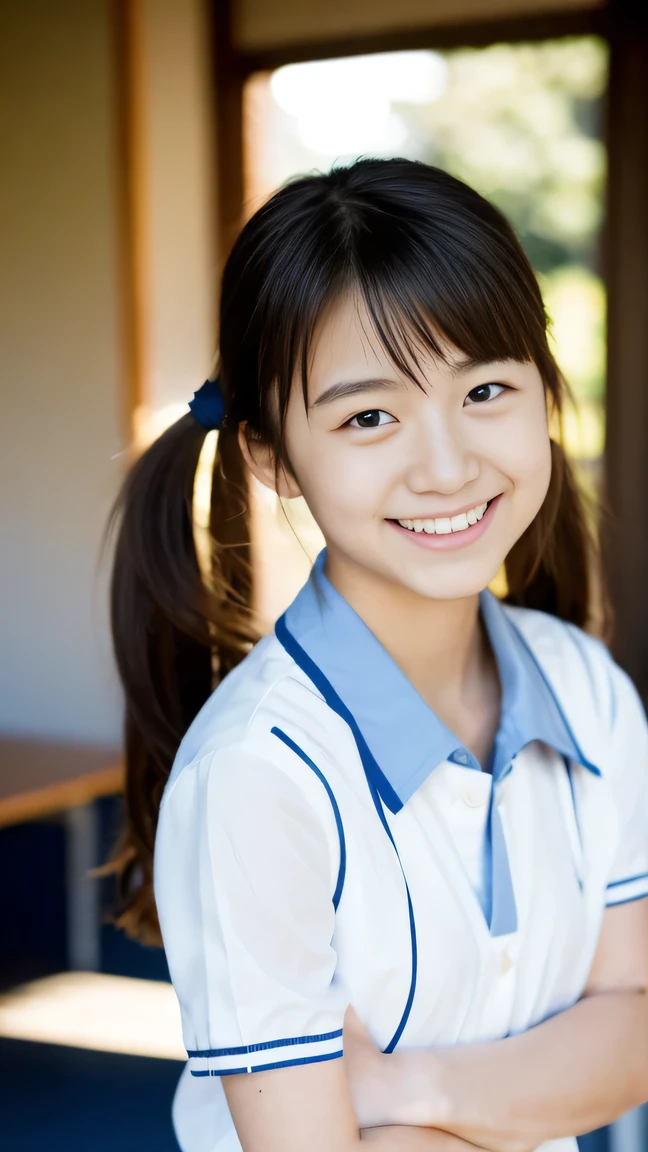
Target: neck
{"points": [[438, 644]]}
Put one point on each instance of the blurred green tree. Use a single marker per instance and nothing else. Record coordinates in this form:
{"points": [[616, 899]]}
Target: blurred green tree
{"points": [[522, 123]]}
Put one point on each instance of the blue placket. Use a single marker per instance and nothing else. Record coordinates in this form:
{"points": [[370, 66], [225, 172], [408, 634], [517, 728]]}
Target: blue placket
{"points": [[498, 900], [499, 897], [500, 908]]}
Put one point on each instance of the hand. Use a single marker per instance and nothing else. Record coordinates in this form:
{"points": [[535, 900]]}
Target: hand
{"points": [[369, 1073], [404, 1088]]}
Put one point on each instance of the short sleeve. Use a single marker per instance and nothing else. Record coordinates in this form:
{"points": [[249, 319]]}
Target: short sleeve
{"points": [[261, 991], [629, 778]]}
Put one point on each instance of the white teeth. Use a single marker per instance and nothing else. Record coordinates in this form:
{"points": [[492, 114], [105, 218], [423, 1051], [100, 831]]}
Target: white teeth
{"points": [[442, 525]]}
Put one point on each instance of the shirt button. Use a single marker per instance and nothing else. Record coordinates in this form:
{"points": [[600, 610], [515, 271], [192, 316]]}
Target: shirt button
{"points": [[505, 962], [473, 794], [461, 757]]}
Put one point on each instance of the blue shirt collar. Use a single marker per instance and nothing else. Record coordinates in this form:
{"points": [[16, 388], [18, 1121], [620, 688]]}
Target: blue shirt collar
{"points": [[405, 737]]}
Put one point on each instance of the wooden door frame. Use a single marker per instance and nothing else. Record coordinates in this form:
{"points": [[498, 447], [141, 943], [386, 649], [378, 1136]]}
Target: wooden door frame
{"points": [[625, 259]]}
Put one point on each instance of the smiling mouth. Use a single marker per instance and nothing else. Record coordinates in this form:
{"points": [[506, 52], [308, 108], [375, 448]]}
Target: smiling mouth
{"points": [[444, 525]]}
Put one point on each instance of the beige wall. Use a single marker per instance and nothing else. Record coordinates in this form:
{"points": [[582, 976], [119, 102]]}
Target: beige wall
{"points": [[60, 367], [267, 23]]}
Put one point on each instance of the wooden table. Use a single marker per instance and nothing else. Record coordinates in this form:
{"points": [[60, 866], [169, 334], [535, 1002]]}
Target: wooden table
{"points": [[45, 778], [38, 778]]}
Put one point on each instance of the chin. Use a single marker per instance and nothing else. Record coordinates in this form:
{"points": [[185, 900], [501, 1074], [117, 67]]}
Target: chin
{"points": [[452, 584]]}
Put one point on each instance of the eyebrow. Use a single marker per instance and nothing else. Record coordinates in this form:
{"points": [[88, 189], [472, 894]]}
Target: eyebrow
{"points": [[354, 388], [465, 363]]}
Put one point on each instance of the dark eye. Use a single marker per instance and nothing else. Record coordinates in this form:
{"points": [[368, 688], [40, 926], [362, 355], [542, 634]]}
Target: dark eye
{"points": [[484, 392], [371, 419]]}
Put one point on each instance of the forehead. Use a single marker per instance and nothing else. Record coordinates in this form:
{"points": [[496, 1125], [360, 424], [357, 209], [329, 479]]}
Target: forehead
{"points": [[346, 340]]}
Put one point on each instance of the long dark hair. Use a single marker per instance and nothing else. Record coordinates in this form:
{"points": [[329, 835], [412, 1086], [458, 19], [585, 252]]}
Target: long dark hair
{"points": [[429, 256]]}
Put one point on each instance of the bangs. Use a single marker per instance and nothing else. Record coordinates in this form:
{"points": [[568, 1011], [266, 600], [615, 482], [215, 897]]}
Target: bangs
{"points": [[435, 307], [423, 300], [438, 269]]}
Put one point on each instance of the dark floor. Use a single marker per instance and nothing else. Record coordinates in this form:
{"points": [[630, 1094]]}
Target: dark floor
{"points": [[66, 1100], [57, 1099]]}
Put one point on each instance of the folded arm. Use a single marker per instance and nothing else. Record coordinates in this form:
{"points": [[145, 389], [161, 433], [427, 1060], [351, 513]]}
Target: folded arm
{"points": [[310, 1107], [575, 1072]]}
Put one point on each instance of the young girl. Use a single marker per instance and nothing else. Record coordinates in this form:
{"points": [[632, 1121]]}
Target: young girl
{"points": [[401, 851]]}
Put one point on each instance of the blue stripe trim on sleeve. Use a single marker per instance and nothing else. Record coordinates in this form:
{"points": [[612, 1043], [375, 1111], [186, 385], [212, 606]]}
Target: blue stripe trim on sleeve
{"points": [[630, 880], [304, 1060], [268, 1067], [336, 811], [243, 1049], [379, 787], [225, 1072], [629, 900]]}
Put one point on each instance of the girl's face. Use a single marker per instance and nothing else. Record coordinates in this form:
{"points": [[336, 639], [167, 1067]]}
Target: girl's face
{"points": [[426, 488]]}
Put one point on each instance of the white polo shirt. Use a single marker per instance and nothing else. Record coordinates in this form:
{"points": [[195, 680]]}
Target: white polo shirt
{"points": [[324, 839]]}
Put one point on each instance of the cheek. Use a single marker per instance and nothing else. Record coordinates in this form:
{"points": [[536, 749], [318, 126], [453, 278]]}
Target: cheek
{"points": [[525, 457], [339, 499], [536, 470], [338, 482]]}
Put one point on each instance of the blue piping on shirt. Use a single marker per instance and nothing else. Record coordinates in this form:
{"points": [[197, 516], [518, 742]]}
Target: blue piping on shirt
{"points": [[410, 998], [336, 811], [315, 674], [379, 787]]}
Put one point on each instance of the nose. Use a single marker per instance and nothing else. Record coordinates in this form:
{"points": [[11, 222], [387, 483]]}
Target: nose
{"points": [[441, 460]]}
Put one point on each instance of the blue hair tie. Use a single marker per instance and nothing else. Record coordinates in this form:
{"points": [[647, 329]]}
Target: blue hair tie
{"points": [[208, 405]]}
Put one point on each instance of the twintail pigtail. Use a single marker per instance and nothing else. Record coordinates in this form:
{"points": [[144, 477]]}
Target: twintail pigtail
{"points": [[233, 625], [177, 630]]}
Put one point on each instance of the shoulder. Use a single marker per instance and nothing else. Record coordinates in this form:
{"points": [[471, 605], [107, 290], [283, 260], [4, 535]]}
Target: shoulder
{"points": [[574, 661], [265, 677], [596, 696], [250, 742]]}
